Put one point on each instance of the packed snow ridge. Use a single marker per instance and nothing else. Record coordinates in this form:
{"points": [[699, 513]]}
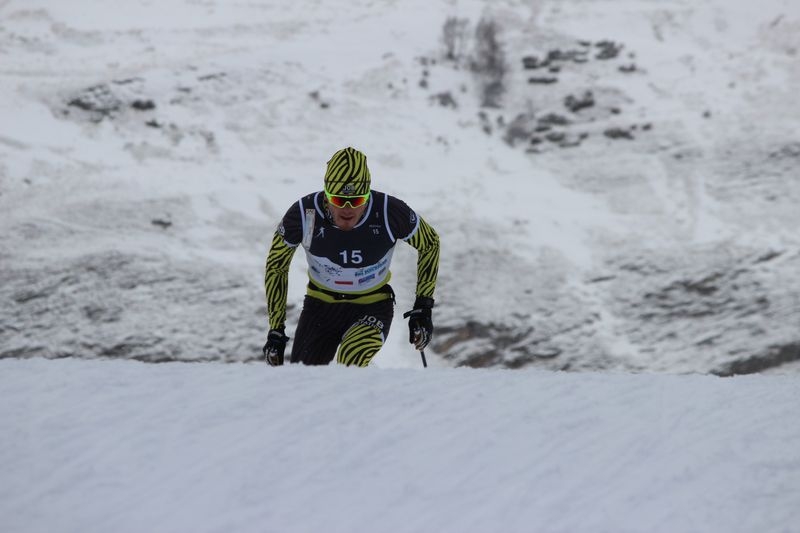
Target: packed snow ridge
{"points": [[95, 446]]}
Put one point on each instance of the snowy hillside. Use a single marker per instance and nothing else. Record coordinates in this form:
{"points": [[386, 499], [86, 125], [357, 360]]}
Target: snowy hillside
{"points": [[615, 183], [98, 446]]}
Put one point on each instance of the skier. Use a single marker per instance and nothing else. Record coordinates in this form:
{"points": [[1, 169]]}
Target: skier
{"points": [[348, 232]]}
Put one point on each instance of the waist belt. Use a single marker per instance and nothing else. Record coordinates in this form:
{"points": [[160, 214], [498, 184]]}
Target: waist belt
{"points": [[380, 294]]}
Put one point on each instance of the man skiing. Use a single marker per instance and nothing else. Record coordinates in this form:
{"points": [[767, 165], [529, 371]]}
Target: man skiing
{"points": [[348, 232]]}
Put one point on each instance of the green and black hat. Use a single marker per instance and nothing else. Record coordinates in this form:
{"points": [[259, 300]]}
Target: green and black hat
{"points": [[347, 173]]}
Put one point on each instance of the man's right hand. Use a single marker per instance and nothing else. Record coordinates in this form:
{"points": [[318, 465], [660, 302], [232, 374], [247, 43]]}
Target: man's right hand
{"points": [[275, 346]]}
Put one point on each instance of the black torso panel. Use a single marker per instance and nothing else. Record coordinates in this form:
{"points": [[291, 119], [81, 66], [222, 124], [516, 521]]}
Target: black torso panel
{"points": [[350, 261]]}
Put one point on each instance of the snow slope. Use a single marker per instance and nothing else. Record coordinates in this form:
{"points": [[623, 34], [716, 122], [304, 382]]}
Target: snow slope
{"points": [[97, 446], [635, 211], [633, 208]]}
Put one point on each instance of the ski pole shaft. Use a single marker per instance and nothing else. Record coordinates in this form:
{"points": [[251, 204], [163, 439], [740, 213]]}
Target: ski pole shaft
{"points": [[424, 361]]}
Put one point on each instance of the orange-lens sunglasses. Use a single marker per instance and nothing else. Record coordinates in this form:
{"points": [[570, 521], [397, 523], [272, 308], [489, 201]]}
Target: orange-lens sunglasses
{"points": [[341, 201]]}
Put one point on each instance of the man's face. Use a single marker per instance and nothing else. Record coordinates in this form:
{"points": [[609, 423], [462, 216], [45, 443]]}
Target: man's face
{"points": [[346, 217]]}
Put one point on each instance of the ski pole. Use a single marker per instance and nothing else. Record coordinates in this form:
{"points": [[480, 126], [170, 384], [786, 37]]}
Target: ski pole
{"points": [[424, 362]]}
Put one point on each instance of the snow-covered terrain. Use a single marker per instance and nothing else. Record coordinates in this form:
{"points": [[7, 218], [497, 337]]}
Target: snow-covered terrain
{"points": [[123, 446], [615, 183], [616, 187]]}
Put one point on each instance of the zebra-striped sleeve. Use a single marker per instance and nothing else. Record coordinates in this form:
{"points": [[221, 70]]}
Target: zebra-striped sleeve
{"points": [[426, 241], [276, 280]]}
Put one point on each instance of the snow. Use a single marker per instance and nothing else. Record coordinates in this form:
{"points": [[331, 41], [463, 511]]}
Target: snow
{"points": [[110, 216], [642, 265], [127, 446]]}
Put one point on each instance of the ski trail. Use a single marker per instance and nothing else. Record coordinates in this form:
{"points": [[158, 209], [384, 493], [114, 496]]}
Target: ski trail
{"points": [[124, 446]]}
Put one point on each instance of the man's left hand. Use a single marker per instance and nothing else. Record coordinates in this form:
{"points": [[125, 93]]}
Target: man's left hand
{"points": [[420, 323]]}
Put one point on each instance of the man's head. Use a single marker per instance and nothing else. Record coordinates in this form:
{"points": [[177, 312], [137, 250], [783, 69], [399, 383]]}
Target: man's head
{"points": [[347, 187], [347, 173]]}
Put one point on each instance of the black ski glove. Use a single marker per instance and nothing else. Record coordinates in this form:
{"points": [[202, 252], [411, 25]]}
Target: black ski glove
{"points": [[420, 325], [275, 346]]}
